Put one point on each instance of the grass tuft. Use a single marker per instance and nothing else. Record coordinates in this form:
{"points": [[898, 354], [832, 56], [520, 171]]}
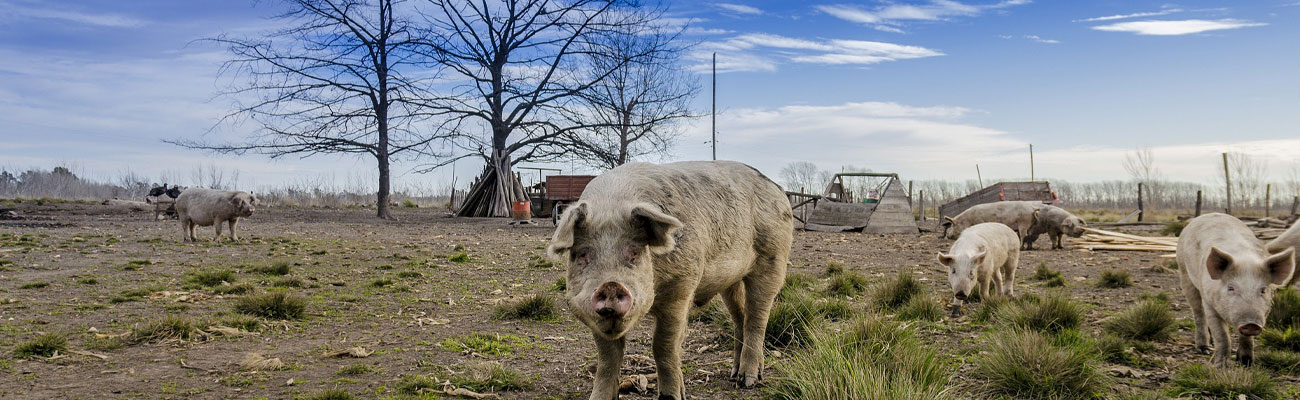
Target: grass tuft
{"points": [[1150, 320], [276, 268], [170, 327], [210, 278], [1282, 362], [490, 377], [233, 289], [1281, 339], [870, 359], [1043, 273], [1115, 279], [34, 285], [923, 308], [484, 344], [538, 307], [42, 346], [846, 284], [332, 394], [561, 285], [896, 292], [1051, 315], [275, 305], [1174, 228], [795, 282], [1026, 364], [460, 257], [1199, 380], [1286, 309], [834, 268], [791, 321]]}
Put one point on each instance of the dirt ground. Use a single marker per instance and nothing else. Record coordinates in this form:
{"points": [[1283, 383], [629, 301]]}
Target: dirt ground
{"points": [[84, 254]]}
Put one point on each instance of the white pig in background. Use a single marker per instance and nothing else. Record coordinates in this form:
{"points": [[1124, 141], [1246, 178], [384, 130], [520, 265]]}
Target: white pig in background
{"points": [[983, 259], [655, 239], [1229, 280], [1287, 240]]}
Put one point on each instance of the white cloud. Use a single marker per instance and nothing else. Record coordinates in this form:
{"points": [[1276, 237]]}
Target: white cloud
{"points": [[694, 30], [102, 20], [890, 15], [763, 52], [739, 8], [1133, 15], [1177, 27], [1038, 39]]}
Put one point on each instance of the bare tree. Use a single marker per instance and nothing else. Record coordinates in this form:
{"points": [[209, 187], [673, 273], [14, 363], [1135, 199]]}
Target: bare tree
{"points": [[343, 78], [1248, 175], [803, 176], [634, 112], [519, 69], [1141, 166]]}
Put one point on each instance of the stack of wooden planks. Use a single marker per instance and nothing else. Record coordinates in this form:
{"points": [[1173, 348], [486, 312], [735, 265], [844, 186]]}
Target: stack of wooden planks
{"points": [[1097, 239]]}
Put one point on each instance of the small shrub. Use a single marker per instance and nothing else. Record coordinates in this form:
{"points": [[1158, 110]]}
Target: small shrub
{"points": [[490, 377], [34, 285], [834, 268], [1198, 380], [275, 305], [538, 307], [233, 289], [410, 275], [561, 285], [288, 282], [88, 281], [1115, 279], [870, 359], [1050, 315], [922, 308], [1286, 309], [1282, 339], [355, 369], [485, 344], [333, 394], [1174, 228], [537, 261], [1151, 320], [1025, 364], [381, 283], [408, 203], [1282, 362], [896, 292], [211, 278], [847, 284], [1043, 273], [170, 327], [276, 268], [43, 346], [460, 257]]}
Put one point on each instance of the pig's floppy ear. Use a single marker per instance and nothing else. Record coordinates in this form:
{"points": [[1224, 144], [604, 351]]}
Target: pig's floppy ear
{"points": [[234, 199], [945, 259], [948, 221], [1281, 266], [563, 239], [1217, 262], [656, 227]]}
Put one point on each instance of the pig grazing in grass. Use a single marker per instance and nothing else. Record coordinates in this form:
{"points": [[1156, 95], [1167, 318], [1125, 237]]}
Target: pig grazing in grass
{"points": [[1288, 240], [1020, 216], [983, 259], [207, 207], [655, 239], [1229, 280], [1055, 222]]}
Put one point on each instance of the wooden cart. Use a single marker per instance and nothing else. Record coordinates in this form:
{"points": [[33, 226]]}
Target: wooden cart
{"points": [[559, 191]]}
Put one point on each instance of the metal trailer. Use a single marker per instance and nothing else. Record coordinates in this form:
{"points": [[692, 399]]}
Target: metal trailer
{"points": [[1001, 191], [559, 191]]}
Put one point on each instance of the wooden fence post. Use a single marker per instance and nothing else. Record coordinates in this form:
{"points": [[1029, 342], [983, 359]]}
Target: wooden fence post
{"points": [[1268, 199], [909, 193], [1198, 204], [1227, 180], [921, 202], [1295, 202], [1141, 209]]}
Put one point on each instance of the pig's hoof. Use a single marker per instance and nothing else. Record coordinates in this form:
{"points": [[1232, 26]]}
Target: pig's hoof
{"points": [[747, 381], [1246, 360], [1203, 350]]}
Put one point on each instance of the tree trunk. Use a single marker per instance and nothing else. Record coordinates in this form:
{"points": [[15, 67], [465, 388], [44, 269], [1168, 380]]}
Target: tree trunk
{"points": [[382, 202]]}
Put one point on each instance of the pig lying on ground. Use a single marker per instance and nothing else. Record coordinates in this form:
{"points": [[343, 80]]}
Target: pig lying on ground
{"points": [[1228, 279], [1287, 240], [984, 258], [1020, 216], [655, 239], [1055, 222], [207, 207]]}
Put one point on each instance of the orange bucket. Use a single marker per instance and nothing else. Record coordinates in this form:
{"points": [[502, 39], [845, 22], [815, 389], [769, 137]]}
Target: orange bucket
{"points": [[521, 210]]}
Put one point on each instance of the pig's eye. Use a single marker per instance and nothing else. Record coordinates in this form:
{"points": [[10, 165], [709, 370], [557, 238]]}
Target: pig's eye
{"points": [[581, 258], [632, 253], [1263, 290], [1232, 289]]}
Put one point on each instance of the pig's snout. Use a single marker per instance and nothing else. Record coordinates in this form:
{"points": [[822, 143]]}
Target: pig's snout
{"points": [[1250, 329], [960, 295], [611, 300]]}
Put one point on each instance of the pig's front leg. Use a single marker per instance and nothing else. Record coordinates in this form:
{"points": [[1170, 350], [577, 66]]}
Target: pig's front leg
{"points": [[670, 328], [1219, 337], [610, 352]]}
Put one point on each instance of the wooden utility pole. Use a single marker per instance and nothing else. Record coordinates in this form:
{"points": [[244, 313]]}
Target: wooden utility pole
{"points": [[1141, 209], [713, 115], [1227, 180], [1198, 204], [977, 175], [1031, 162]]}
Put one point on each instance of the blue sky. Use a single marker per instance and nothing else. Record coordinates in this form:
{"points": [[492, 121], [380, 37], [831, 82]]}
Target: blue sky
{"points": [[924, 88]]}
